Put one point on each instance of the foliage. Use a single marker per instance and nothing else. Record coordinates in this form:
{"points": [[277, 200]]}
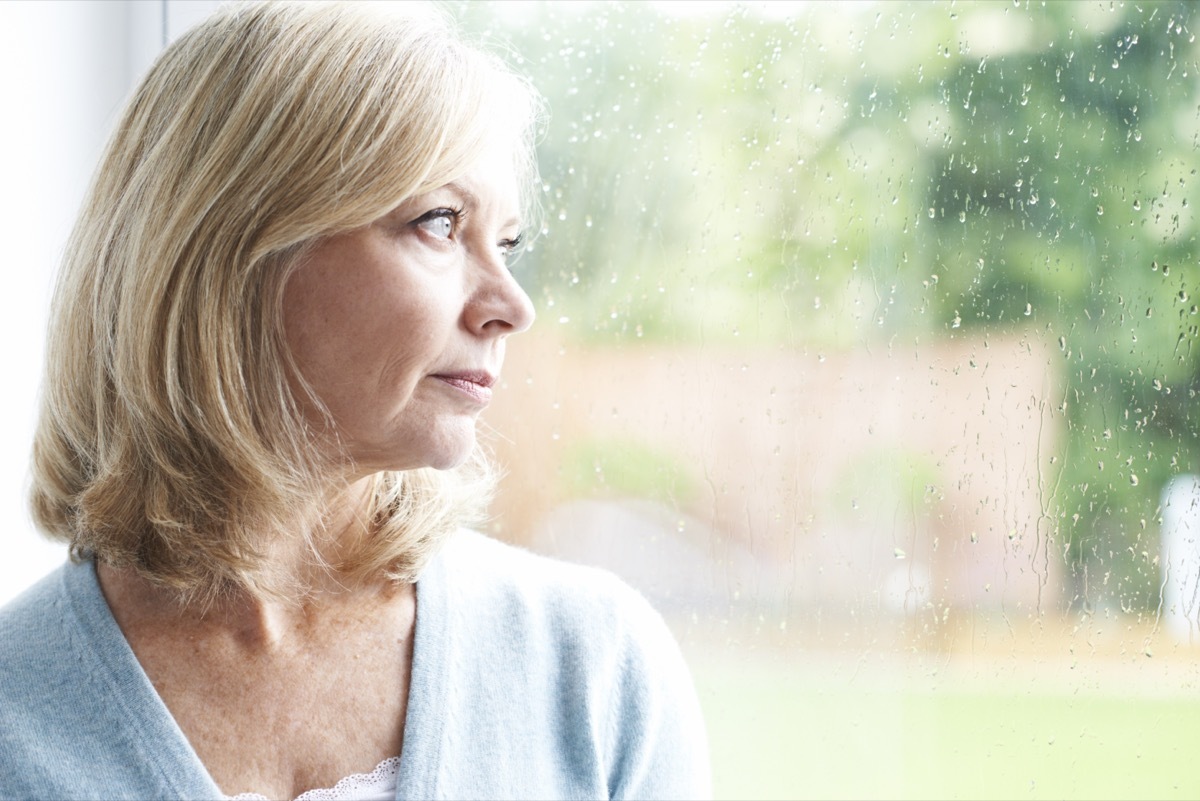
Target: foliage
{"points": [[626, 468], [847, 175]]}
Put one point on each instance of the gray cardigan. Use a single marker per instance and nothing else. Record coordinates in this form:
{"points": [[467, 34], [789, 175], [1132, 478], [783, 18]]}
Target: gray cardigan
{"points": [[531, 679]]}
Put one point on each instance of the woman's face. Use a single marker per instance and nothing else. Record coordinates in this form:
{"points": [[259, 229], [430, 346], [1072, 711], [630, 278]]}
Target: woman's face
{"points": [[399, 327]]}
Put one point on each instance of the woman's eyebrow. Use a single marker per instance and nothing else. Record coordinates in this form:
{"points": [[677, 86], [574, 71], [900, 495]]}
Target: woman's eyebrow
{"points": [[471, 200]]}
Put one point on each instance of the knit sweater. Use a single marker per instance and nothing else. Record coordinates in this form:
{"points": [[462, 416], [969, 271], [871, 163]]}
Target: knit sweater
{"points": [[531, 678]]}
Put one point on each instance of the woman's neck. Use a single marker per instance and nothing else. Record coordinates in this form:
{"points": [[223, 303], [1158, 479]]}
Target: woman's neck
{"points": [[323, 595], [253, 623]]}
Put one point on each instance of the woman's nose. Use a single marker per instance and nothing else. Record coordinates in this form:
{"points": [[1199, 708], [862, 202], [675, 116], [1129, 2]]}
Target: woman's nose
{"points": [[498, 304]]}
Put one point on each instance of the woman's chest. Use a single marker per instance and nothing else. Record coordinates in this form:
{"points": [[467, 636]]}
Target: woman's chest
{"points": [[280, 724]]}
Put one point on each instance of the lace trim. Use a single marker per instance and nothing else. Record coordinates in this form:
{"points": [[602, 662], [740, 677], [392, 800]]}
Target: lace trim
{"points": [[379, 783]]}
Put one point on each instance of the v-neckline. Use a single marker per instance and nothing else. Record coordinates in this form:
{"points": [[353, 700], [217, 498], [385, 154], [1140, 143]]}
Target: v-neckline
{"points": [[139, 713]]}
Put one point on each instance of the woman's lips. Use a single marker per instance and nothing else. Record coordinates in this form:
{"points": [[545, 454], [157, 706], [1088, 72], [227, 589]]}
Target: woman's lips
{"points": [[476, 386]]}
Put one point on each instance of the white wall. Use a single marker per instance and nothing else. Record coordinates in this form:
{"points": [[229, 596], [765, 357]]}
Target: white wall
{"points": [[65, 69], [63, 72]]}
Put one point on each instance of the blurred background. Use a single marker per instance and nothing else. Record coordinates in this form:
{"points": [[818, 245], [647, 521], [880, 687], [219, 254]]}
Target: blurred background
{"points": [[865, 350]]}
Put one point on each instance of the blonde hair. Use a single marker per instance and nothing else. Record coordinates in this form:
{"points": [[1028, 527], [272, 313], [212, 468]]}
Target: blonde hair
{"points": [[169, 439]]}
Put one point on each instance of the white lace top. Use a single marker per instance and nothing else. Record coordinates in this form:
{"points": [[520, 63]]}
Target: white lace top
{"points": [[378, 785]]}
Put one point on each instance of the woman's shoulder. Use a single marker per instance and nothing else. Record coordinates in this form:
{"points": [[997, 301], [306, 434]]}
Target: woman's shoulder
{"points": [[498, 564], [48, 641], [35, 673], [28, 623], [68, 688], [577, 660], [537, 589]]}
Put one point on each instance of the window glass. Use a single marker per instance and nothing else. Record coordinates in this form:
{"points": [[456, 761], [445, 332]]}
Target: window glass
{"points": [[866, 350]]}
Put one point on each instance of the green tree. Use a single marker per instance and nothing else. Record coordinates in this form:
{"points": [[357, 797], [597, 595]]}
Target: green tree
{"points": [[848, 175]]}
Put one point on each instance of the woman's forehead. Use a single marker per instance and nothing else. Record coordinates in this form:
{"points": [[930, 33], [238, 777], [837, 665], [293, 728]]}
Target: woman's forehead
{"points": [[491, 180]]}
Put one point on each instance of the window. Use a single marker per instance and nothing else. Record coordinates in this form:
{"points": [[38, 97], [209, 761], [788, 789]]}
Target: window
{"points": [[866, 351]]}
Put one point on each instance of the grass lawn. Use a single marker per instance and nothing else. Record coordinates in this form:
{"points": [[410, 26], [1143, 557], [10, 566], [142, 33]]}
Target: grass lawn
{"points": [[791, 729]]}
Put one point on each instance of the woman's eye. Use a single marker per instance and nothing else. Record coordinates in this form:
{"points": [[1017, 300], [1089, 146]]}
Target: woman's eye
{"points": [[510, 247], [439, 223]]}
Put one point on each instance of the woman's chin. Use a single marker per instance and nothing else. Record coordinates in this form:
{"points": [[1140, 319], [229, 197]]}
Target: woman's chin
{"points": [[452, 445], [444, 450], [449, 462]]}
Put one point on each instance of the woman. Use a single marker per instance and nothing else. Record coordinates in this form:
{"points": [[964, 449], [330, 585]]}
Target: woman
{"points": [[282, 308]]}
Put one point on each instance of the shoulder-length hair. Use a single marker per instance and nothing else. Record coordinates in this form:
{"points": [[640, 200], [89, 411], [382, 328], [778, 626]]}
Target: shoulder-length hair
{"points": [[170, 439]]}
